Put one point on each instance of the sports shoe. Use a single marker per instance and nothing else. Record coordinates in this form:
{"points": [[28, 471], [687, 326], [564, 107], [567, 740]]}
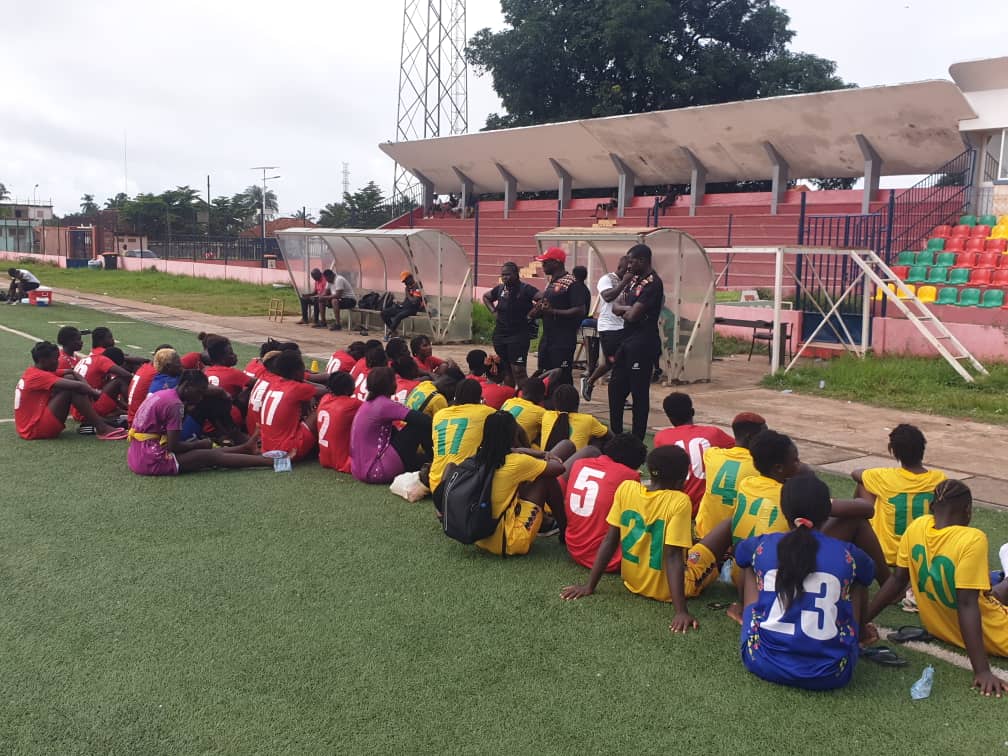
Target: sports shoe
{"points": [[909, 603], [549, 528], [586, 388], [336, 327], [1003, 556], [86, 430]]}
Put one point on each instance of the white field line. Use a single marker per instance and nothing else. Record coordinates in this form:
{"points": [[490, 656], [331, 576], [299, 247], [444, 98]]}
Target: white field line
{"points": [[952, 657], [7, 420], [20, 333]]}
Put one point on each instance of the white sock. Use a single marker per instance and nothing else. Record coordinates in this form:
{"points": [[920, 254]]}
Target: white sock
{"points": [[1003, 556]]}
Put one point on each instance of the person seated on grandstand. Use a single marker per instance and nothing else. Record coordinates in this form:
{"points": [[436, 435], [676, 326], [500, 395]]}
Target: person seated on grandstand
{"points": [[423, 353], [407, 377], [947, 560], [378, 450], [311, 298], [528, 410], [105, 372], [458, 429], [374, 357], [42, 399], [140, 384], [22, 281], [412, 304], [899, 494], [286, 419], [448, 207], [672, 196], [480, 366], [677, 570], [71, 342], [611, 204], [725, 469], [343, 360], [431, 396], [799, 574], [565, 422], [156, 445], [336, 412], [524, 483], [591, 487], [695, 439], [339, 295], [102, 339]]}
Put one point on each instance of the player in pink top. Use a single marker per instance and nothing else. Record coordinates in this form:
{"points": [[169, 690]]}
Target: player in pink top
{"points": [[694, 439]]}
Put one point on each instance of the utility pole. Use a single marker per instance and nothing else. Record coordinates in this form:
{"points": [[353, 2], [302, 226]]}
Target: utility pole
{"points": [[265, 178]]}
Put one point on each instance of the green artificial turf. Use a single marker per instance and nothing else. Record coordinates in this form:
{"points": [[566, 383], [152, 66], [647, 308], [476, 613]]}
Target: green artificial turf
{"points": [[256, 612]]}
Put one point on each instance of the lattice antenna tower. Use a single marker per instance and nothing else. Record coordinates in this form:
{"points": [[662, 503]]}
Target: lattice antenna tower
{"points": [[433, 78], [346, 178]]}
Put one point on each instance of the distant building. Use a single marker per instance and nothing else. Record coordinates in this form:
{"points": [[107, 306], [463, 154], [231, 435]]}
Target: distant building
{"points": [[278, 224]]}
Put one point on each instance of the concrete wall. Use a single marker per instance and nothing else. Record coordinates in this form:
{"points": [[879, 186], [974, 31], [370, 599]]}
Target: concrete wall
{"points": [[986, 341]]}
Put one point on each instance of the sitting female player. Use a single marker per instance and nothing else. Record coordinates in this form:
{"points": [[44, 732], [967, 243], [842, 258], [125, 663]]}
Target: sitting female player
{"points": [[286, 419], [156, 445], [805, 594], [565, 422], [378, 450]]}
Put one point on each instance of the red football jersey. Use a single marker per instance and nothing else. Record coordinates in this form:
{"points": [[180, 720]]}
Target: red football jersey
{"points": [[94, 369], [591, 487], [67, 361], [403, 388], [335, 416], [340, 360], [256, 398], [495, 394], [255, 368], [359, 374], [428, 365], [31, 399], [230, 379], [139, 388], [280, 413], [695, 440]]}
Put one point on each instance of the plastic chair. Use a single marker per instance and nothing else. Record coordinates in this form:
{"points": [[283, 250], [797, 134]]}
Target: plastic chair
{"points": [[999, 277], [948, 295], [917, 274], [938, 274], [967, 220], [1003, 220], [965, 260], [942, 231], [1000, 231], [981, 231], [879, 292], [996, 245], [962, 229], [906, 257], [947, 259], [989, 260], [959, 276], [927, 293], [956, 244], [993, 298], [927, 257], [900, 271], [936, 242], [975, 244], [969, 298], [987, 220], [980, 277]]}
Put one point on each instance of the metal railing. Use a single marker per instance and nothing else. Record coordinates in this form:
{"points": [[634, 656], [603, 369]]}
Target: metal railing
{"points": [[214, 249]]}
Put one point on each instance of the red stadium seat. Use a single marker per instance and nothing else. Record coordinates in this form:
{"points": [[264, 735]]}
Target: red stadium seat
{"points": [[975, 244], [980, 277], [901, 271], [982, 231], [996, 245], [961, 230], [943, 231], [999, 277], [965, 260], [989, 260], [955, 244]]}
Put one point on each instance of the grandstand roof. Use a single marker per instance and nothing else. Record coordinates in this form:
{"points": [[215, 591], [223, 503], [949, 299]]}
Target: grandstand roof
{"points": [[985, 84], [913, 127]]}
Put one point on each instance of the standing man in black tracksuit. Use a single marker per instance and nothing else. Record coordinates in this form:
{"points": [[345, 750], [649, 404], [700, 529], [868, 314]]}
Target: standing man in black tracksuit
{"points": [[511, 301], [562, 306]]}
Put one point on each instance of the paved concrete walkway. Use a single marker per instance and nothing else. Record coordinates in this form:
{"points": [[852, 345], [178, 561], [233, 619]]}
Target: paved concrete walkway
{"points": [[831, 434]]}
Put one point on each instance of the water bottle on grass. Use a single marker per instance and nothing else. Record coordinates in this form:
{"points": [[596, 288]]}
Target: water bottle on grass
{"points": [[922, 688]]}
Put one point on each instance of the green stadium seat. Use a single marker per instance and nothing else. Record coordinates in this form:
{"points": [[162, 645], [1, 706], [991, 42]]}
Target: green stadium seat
{"points": [[917, 274], [969, 297], [927, 257], [993, 298], [936, 242], [938, 274], [948, 259], [948, 295], [967, 220], [906, 257], [987, 220], [959, 276]]}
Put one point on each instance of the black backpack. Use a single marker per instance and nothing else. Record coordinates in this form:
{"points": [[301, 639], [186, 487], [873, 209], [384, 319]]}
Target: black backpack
{"points": [[465, 501]]}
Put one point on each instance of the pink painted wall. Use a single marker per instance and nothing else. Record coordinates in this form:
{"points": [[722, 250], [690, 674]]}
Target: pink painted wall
{"points": [[899, 336]]}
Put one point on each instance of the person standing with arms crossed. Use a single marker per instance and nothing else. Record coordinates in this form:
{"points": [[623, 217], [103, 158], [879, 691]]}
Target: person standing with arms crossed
{"points": [[609, 327], [511, 301], [642, 295], [562, 306]]}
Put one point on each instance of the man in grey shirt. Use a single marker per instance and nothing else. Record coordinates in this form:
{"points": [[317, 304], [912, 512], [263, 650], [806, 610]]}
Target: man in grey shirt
{"points": [[339, 294]]}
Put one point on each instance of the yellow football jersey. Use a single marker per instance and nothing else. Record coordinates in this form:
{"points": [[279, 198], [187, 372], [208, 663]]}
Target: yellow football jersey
{"points": [[725, 470], [941, 561], [900, 498], [457, 434], [521, 521], [757, 509], [648, 522], [528, 415], [419, 395], [583, 428]]}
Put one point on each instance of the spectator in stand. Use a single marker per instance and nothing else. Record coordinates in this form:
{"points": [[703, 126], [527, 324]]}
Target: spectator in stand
{"points": [[611, 204], [672, 196], [22, 281], [562, 306], [413, 303], [311, 299], [608, 326], [423, 353], [339, 295], [511, 302]]}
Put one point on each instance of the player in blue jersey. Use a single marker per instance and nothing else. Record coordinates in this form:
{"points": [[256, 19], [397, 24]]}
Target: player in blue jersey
{"points": [[805, 593]]}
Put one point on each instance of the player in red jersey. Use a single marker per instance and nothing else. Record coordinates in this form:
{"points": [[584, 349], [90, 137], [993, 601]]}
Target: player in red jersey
{"points": [[591, 486], [423, 353], [407, 377], [494, 393], [374, 357], [102, 339], [344, 359], [42, 399], [335, 415], [286, 422], [221, 371], [105, 372], [71, 342], [694, 439]]}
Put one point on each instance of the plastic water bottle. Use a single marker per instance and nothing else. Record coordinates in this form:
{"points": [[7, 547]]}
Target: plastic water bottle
{"points": [[922, 688]]}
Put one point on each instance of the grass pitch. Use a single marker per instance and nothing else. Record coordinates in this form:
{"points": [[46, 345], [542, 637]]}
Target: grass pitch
{"points": [[253, 612]]}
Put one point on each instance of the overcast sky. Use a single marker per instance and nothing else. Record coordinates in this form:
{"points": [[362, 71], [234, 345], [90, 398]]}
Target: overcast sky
{"points": [[216, 86]]}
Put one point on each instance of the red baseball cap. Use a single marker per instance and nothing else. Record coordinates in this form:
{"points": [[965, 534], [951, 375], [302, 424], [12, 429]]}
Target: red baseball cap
{"points": [[553, 253]]}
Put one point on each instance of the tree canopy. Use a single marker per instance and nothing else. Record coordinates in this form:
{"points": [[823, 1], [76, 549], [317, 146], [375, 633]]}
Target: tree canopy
{"points": [[559, 60]]}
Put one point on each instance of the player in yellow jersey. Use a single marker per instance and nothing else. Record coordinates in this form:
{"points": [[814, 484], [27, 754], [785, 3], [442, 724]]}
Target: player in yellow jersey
{"points": [[527, 409], [899, 494], [430, 397], [458, 429], [652, 527], [945, 562], [565, 422], [725, 469]]}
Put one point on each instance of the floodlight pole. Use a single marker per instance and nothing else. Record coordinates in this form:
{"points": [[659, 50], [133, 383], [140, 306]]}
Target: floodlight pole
{"points": [[262, 212]]}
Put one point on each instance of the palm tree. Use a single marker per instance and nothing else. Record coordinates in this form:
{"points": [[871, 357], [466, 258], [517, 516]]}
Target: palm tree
{"points": [[88, 205], [115, 203], [303, 215], [4, 194], [334, 215], [254, 200]]}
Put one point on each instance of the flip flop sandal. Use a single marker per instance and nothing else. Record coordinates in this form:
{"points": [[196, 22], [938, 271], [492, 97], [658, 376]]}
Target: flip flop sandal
{"points": [[883, 656], [114, 435], [86, 430], [910, 633]]}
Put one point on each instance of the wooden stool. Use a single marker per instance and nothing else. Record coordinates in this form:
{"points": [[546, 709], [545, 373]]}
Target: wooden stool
{"points": [[275, 311]]}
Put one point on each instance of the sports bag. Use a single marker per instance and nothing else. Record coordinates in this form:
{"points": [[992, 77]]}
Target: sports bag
{"points": [[468, 514]]}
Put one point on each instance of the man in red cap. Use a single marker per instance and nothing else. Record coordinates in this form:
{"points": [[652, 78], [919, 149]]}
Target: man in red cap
{"points": [[397, 312], [562, 306]]}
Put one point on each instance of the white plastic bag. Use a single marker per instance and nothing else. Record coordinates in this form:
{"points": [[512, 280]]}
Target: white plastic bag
{"points": [[408, 486]]}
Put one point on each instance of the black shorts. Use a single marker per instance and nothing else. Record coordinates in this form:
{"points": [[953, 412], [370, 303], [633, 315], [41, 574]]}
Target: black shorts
{"points": [[610, 342], [26, 287], [513, 350], [346, 303], [552, 356]]}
